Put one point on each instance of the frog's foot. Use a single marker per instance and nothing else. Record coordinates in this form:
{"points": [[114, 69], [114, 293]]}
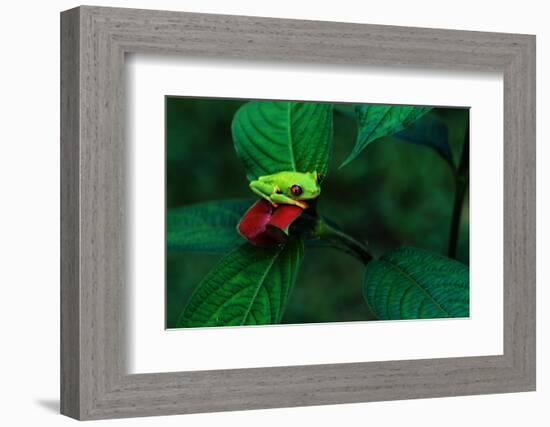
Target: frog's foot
{"points": [[280, 199], [299, 203]]}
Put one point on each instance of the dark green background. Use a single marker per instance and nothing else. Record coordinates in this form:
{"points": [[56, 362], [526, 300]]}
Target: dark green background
{"points": [[393, 194]]}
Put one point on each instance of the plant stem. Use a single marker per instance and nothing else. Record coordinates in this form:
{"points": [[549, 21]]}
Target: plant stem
{"points": [[461, 185], [348, 243]]}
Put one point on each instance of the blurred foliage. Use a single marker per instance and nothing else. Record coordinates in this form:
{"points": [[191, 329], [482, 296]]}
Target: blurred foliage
{"points": [[393, 194]]}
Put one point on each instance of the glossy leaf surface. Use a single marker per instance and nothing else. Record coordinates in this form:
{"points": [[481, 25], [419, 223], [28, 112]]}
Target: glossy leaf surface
{"points": [[249, 286], [377, 121], [275, 136], [410, 283], [206, 227]]}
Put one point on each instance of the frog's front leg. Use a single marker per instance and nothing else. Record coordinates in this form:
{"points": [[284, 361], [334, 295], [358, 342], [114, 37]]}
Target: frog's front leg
{"points": [[282, 199], [263, 189]]}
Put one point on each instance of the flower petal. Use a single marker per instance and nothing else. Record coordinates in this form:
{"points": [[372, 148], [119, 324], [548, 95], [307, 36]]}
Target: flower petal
{"points": [[255, 218], [284, 215], [264, 225]]}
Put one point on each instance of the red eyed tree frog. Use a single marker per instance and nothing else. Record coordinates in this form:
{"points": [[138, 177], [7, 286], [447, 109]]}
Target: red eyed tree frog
{"points": [[291, 188]]}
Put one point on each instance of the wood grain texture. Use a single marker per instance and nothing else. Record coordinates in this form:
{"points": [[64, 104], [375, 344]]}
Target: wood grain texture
{"points": [[94, 381], [70, 221]]}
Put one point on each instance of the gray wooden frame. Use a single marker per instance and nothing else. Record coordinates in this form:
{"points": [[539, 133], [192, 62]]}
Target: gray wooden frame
{"points": [[94, 382]]}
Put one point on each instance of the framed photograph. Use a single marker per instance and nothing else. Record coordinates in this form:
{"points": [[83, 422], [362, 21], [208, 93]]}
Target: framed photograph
{"points": [[263, 213], [286, 148]]}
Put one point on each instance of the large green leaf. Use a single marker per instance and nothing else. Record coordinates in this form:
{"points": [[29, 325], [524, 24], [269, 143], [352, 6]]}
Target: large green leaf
{"points": [[206, 227], [275, 136], [410, 283], [250, 286], [377, 121], [431, 132]]}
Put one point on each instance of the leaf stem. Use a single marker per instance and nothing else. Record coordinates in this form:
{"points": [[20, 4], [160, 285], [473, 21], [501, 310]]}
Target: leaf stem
{"points": [[461, 185], [345, 241]]}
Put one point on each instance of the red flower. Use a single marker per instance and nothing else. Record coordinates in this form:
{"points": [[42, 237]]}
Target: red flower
{"points": [[264, 225]]}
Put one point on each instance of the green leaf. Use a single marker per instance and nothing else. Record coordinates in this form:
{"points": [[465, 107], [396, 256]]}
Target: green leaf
{"points": [[432, 132], [275, 136], [377, 121], [250, 286], [410, 283], [206, 227]]}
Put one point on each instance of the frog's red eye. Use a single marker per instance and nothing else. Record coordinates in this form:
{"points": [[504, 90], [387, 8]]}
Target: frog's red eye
{"points": [[296, 190]]}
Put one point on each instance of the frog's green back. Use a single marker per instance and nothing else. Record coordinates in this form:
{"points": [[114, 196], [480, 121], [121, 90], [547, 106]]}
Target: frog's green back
{"points": [[306, 180]]}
